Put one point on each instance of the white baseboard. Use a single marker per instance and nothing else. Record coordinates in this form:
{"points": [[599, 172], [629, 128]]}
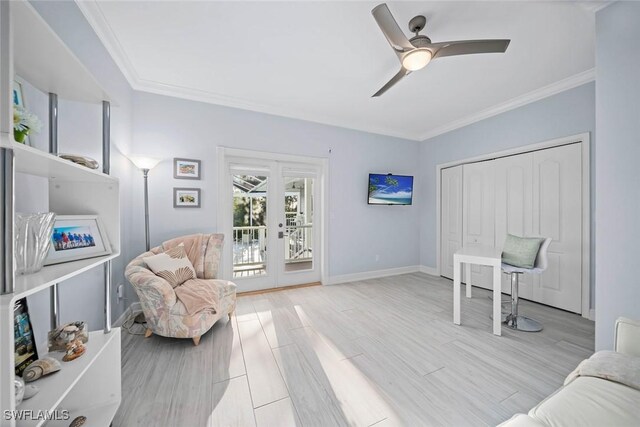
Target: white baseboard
{"points": [[133, 308], [429, 270], [592, 314], [365, 275]]}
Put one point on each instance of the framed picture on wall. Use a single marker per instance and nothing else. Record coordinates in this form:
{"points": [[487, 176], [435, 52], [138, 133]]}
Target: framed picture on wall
{"points": [[77, 237], [186, 169], [186, 197]]}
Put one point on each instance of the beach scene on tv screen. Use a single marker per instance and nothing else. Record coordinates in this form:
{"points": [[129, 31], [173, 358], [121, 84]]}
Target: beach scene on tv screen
{"points": [[390, 189]]}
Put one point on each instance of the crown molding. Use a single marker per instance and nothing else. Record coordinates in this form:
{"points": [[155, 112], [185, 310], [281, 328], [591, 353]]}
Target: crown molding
{"points": [[95, 16], [198, 95], [533, 96]]}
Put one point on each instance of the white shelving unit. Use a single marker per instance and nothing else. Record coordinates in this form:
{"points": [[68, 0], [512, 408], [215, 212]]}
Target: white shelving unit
{"points": [[91, 384]]}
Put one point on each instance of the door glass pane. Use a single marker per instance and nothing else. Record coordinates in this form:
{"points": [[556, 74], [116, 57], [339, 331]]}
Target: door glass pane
{"points": [[298, 211], [249, 225]]}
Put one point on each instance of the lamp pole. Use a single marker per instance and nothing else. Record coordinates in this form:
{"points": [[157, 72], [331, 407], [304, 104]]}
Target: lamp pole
{"points": [[145, 174]]}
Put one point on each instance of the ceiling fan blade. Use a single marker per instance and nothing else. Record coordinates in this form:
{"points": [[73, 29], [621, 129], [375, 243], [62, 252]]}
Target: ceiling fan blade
{"points": [[396, 38], [467, 47], [395, 79]]}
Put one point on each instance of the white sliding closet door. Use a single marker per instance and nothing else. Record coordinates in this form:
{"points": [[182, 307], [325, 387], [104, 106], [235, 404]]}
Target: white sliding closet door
{"points": [[530, 194], [557, 213], [451, 217], [514, 208], [479, 214]]}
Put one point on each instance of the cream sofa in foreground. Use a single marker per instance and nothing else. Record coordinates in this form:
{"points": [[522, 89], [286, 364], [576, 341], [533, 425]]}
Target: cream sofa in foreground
{"points": [[589, 401]]}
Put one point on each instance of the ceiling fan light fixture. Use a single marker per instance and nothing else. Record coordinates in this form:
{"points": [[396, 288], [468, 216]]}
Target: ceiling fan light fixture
{"points": [[416, 59]]}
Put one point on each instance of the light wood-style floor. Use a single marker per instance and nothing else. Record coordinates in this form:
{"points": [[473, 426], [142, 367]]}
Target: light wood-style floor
{"points": [[381, 352]]}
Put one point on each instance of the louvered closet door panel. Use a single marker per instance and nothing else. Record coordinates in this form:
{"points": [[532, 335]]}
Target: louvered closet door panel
{"points": [[514, 200], [557, 213], [451, 217], [479, 214]]}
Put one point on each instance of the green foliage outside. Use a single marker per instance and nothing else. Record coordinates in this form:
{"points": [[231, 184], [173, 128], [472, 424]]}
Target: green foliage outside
{"points": [[247, 212]]}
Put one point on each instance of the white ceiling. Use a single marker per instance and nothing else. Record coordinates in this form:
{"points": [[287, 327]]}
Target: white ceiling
{"points": [[322, 61]]}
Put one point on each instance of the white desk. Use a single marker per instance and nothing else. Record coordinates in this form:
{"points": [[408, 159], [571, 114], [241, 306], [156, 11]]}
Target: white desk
{"points": [[480, 255]]}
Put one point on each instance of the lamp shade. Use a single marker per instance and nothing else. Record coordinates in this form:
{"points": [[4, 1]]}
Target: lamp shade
{"points": [[143, 162]]}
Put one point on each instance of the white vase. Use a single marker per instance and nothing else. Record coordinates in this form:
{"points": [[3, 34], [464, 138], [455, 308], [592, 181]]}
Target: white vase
{"points": [[33, 239]]}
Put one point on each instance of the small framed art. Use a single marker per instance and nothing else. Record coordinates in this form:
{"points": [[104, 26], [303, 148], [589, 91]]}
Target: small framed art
{"points": [[186, 169], [18, 98], [25, 343], [186, 197], [77, 237]]}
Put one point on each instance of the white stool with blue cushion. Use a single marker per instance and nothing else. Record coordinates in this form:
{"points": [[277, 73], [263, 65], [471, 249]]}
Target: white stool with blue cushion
{"points": [[514, 320]]}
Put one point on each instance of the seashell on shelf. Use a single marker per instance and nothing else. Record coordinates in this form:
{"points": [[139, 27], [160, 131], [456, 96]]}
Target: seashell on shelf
{"points": [[40, 368], [75, 349], [78, 421], [81, 160], [61, 337], [30, 390]]}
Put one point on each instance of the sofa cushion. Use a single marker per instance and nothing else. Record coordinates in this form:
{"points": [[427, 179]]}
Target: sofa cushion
{"points": [[172, 265], [589, 401]]}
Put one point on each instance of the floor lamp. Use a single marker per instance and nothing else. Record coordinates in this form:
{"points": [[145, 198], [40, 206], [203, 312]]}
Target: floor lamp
{"points": [[145, 164]]}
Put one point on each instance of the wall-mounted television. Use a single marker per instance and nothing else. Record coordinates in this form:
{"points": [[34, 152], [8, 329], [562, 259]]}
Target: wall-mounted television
{"points": [[388, 189]]}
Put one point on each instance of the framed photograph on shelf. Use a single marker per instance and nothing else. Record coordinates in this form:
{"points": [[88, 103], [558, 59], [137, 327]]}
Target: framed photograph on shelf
{"points": [[77, 237], [18, 98], [186, 197], [25, 344], [186, 169]]}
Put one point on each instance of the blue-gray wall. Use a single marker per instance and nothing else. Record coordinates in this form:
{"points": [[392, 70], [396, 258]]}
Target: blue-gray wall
{"points": [[617, 167], [362, 238], [567, 113]]}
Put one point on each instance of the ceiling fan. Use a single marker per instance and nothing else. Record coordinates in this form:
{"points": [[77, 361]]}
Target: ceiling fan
{"points": [[415, 53]]}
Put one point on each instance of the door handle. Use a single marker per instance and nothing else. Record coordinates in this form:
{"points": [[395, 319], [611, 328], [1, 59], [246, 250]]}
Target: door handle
{"points": [[280, 234]]}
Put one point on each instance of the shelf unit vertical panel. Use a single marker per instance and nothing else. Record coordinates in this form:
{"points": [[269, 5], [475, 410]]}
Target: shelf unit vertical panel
{"points": [[7, 358], [89, 198]]}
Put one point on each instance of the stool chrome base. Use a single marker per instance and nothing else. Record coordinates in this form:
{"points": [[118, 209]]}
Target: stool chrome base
{"points": [[522, 323]]}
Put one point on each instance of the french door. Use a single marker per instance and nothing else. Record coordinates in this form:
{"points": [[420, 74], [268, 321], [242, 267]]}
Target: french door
{"points": [[273, 220]]}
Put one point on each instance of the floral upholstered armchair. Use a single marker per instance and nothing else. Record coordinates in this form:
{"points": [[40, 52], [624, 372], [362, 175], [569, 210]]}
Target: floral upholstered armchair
{"points": [[166, 314]]}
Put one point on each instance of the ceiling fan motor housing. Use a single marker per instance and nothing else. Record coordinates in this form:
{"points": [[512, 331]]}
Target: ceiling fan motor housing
{"points": [[420, 41]]}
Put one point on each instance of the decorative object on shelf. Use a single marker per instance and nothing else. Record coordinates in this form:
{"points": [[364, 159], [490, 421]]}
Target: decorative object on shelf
{"points": [[18, 98], [81, 160], [78, 421], [40, 368], [59, 338], [77, 237], [19, 389], [75, 349], [25, 346], [186, 168], [186, 197], [33, 240], [145, 164], [30, 390], [24, 122]]}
